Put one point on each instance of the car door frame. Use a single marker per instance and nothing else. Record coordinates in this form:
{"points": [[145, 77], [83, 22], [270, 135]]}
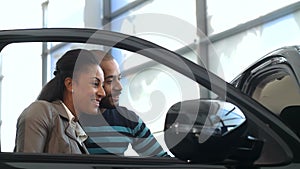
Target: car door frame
{"points": [[285, 59], [162, 55]]}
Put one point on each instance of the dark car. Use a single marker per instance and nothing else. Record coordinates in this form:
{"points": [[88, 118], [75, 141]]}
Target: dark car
{"points": [[274, 82], [223, 129]]}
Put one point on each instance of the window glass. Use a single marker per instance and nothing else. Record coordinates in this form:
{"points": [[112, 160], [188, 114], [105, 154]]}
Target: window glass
{"points": [[270, 92], [22, 77], [117, 4], [65, 14], [249, 46], [155, 93], [10, 19], [223, 15], [149, 88], [21, 83], [168, 27]]}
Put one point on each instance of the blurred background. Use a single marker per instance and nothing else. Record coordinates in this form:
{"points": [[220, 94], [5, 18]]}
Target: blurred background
{"points": [[229, 35]]}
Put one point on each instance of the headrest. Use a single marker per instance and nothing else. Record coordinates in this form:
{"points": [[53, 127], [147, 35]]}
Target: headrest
{"points": [[290, 115]]}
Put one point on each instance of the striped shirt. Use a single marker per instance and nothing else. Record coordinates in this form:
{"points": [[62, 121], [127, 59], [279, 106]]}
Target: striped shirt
{"points": [[112, 131]]}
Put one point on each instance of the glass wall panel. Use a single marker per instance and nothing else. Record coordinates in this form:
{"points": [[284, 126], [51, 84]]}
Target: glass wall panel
{"points": [[20, 14], [161, 23], [66, 13], [21, 84], [223, 15], [247, 47], [117, 4]]}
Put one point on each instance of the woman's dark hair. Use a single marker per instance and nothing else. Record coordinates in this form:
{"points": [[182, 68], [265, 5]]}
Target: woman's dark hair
{"points": [[71, 62]]}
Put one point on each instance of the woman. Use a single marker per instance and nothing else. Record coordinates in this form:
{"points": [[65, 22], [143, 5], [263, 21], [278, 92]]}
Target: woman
{"points": [[50, 124]]}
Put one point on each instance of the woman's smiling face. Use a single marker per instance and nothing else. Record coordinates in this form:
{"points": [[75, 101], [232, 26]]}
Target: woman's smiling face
{"points": [[88, 90]]}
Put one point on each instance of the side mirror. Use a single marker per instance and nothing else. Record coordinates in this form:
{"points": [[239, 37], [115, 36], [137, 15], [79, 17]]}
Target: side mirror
{"points": [[205, 130]]}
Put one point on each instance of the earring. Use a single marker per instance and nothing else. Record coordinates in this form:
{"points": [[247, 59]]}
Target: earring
{"points": [[72, 91]]}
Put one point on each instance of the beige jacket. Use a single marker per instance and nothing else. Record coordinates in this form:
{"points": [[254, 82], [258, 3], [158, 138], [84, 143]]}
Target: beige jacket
{"points": [[43, 127]]}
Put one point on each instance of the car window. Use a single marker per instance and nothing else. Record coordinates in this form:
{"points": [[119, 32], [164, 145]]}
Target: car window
{"points": [[21, 71], [155, 93], [149, 88], [277, 92]]}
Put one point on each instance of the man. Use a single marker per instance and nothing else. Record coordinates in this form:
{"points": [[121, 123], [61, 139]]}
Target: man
{"points": [[117, 127]]}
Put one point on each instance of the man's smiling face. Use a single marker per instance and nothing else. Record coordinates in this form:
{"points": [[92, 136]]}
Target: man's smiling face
{"points": [[112, 84]]}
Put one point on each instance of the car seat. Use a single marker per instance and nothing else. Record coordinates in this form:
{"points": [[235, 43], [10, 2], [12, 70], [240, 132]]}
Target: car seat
{"points": [[290, 115]]}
